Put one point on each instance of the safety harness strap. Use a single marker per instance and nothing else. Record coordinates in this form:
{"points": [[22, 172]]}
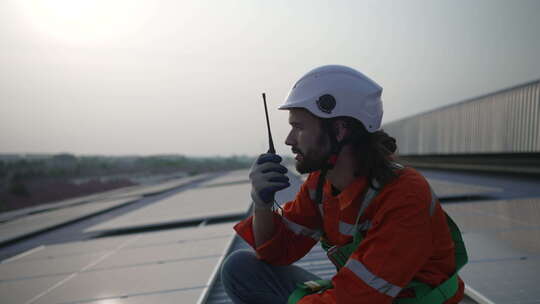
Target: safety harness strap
{"points": [[307, 288], [459, 246], [427, 295], [440, 294]]}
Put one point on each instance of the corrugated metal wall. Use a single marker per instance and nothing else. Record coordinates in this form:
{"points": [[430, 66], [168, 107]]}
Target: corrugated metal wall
{"points": [[506, 121]]}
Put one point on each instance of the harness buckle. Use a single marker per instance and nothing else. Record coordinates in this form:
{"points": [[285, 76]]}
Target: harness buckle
{"points": [[336, 257]]}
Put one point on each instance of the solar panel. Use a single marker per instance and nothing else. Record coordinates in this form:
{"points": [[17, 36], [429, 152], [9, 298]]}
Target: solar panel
{"points": [[24, 291], [200, 203], [445, 189], [34, 223], [503, 240], [159, 266], [40, 268], [11, 215], [125, 192], [232, 177], [145, 190]]}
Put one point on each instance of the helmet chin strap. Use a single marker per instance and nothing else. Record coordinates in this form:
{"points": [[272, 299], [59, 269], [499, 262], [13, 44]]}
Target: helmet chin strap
{"points": [[331, 159]]}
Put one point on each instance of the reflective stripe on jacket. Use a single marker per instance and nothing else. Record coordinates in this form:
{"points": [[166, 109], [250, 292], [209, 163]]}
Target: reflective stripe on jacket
{"points": [[405, 237]]}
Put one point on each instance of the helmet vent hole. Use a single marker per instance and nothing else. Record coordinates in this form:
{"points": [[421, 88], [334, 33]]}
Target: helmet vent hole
{"points": [[326, 103]]}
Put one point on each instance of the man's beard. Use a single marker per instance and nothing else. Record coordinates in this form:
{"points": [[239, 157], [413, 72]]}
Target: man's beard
{"points": [[313, 159]]}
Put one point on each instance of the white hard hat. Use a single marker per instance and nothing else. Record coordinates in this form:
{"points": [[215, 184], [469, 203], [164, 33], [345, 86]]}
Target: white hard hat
{"points": [[335, 90]]}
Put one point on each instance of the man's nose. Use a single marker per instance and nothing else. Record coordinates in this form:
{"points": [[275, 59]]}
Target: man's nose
{"points": [[289, 141]]}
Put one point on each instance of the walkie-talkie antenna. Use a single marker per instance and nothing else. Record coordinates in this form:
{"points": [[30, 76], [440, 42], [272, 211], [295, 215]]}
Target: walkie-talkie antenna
{"points": [[270, 142]]}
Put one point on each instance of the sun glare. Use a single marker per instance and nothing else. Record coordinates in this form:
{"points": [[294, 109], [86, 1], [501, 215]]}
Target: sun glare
{"points": [[86, 21]]}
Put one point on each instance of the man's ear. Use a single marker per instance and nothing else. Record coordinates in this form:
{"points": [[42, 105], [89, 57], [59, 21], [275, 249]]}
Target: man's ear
{"points": [[341, 129]]}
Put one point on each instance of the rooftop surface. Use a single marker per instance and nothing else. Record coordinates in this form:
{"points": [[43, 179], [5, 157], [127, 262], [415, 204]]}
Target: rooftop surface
{"points": [[87, 262]]}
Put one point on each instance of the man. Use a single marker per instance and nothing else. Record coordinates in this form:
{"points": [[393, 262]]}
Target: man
{"points": [[380, 223]]}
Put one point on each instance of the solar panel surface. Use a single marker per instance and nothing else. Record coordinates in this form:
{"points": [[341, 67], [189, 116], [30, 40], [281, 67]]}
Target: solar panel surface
{"points": [[187, 205], [503, 240], [154, 265], [34, 223]]}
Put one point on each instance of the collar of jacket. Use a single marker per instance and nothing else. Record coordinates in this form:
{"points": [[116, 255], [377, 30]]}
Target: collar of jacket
{"points": [[348, 195]]}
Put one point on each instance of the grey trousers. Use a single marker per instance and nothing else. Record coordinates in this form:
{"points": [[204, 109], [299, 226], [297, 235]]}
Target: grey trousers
{"points": [[248, 280]]}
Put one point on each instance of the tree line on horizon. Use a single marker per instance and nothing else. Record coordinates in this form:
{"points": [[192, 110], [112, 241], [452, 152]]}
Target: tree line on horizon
{"points": [[27, 180]]}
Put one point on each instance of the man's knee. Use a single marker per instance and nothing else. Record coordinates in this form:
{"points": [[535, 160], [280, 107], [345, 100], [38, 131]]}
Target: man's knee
{"points": [[237, 263]]}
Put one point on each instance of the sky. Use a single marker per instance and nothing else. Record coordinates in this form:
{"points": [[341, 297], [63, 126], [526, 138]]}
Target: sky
{"points": [[133, 77]]}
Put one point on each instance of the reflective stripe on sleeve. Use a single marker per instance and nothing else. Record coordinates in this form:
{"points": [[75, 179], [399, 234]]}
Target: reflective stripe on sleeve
{"points": [[348, 229], [375, 282], [301, 230]]}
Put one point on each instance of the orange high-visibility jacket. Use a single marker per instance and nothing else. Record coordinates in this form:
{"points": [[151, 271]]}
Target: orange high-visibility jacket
{"points": [[405, 233]]}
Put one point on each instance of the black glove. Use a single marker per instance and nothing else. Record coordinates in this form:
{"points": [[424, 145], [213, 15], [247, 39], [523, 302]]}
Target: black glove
{"points": [[267, 177]]}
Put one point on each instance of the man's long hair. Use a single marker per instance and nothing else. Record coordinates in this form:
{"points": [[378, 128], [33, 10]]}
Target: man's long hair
{"points": [[374, 151]]}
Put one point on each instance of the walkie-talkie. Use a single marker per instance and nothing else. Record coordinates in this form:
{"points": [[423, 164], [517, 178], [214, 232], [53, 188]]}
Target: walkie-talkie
{"points": [[270, 141], [271, 149]]}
